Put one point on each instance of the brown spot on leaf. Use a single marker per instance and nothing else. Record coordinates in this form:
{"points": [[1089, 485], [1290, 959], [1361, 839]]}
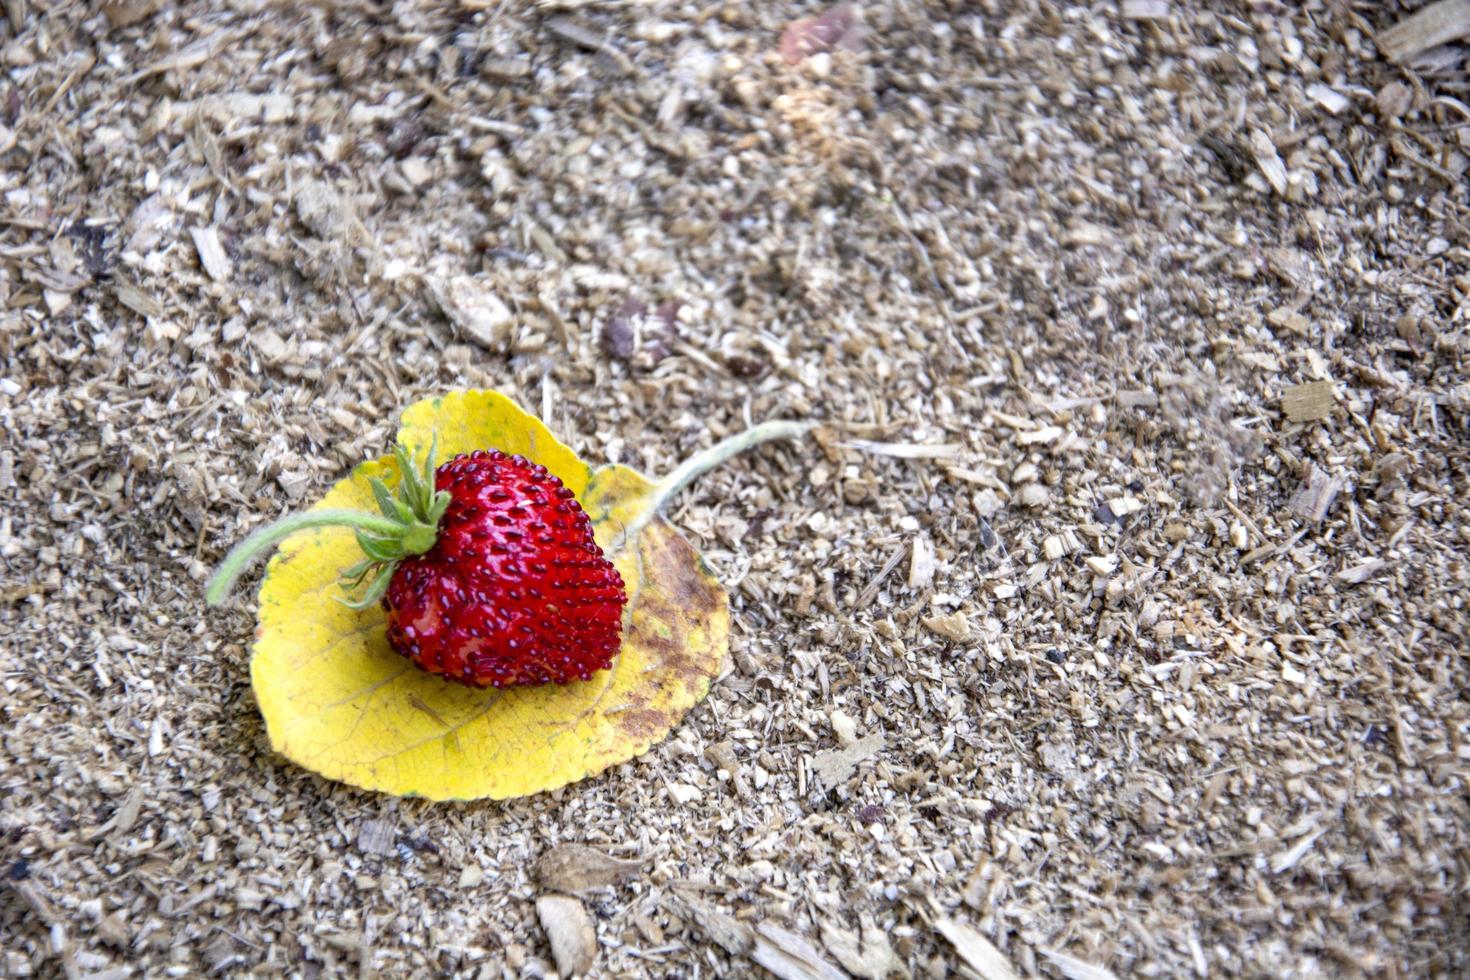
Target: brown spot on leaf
{"points": [[687, 597], [644, 723]]}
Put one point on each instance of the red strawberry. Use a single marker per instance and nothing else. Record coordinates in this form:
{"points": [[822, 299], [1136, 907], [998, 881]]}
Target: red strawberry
{"points": [[515, 591], [486, 567]]}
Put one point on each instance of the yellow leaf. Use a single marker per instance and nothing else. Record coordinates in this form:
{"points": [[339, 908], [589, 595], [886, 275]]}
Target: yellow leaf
{"points": [[337, 699]]}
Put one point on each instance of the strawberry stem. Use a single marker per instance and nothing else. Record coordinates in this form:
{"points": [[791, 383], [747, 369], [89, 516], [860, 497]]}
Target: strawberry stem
{"points": [[408, 525], [272, 535], [700, 463]]}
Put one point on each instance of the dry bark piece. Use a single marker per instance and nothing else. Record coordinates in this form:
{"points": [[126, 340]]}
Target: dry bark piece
{"points": [[576, 868], [570, 931], [1439, 23], [1308, 402]]}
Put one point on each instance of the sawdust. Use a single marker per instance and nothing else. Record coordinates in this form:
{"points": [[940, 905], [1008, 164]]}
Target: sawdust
{"points": [[1052, 277]]}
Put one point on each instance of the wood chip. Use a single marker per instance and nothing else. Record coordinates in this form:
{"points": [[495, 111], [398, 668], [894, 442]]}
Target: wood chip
{"points": [[590, 38], [375, 837], [954, 626], [1124, 506], [1074, 969], [1291, 857], [1288, 319], [1360, 573], [921, 562], [867, 955], [1085, 233], [1039, 437], [903, 450], [479, 314], [570, 931], [574, 868], [1308, 402], [1328, 98], [1269, 161], [978, 952], [725, 931], [211, 253], [1145, 9], [834, 767], [1429, 27], [135, 299], [1315, 497], [129, 12], [790, 956]]}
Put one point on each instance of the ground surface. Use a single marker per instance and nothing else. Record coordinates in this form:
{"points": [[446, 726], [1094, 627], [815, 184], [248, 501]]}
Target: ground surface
{"points": [[1183, 687]]}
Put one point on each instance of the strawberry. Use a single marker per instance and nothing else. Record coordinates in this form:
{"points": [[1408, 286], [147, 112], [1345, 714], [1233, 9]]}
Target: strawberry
{"points": [[486, 568], [515, 591]]}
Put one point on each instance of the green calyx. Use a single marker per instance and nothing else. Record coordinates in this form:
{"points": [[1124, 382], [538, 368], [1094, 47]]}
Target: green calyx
{"points": [[416, 511], [409, 526]]}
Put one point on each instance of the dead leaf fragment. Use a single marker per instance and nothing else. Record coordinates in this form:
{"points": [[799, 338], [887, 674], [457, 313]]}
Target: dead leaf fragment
{"points": [[953, 626], [977, 951], [574, 868], [832, 768], [1308, 402], [570, 931]]}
